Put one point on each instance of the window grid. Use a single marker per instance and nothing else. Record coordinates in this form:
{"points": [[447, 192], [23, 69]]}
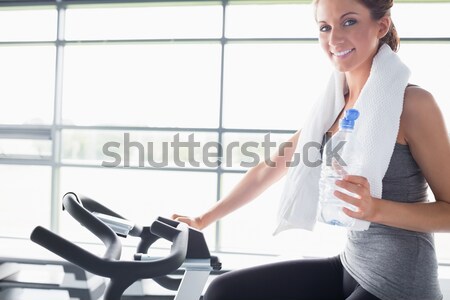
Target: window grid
{"points": [[57, 126]]}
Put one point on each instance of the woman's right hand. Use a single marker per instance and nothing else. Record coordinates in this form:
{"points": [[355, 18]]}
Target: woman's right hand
{"points": [[193, 222]]}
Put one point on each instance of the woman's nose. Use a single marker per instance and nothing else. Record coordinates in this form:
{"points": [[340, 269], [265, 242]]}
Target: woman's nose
{"points": [[336, 38]]}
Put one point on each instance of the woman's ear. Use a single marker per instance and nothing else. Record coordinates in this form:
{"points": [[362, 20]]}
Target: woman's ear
{"points": [[384, 26]]}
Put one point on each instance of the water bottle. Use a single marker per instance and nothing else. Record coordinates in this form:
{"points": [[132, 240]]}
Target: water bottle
{"points": [[334, 168]]}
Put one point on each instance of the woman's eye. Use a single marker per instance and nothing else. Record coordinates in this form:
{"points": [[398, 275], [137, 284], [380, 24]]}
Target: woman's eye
{"points": [[349, 22], [324, 28]]}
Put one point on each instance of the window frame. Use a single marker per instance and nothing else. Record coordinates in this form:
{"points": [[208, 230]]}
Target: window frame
{"points": [[54, 132]]}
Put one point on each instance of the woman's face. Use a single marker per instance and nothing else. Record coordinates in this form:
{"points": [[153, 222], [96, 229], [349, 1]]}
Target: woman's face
{"points": [[348, 34]]}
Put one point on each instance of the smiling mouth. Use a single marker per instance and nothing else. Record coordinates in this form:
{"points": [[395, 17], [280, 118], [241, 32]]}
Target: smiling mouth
{"points": [[342, 53]]}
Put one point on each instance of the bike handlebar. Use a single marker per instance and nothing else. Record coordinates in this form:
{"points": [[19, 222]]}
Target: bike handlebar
{"points": [[121, 273], [74, 205]]}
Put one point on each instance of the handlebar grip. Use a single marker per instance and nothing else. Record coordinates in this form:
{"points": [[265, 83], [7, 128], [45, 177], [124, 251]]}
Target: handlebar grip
{"points": [[73, 205], [94, 206], [164, 230], [68, 250]]}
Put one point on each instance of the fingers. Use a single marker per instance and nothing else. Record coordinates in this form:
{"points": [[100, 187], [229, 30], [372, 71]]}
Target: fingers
{"points": [[353, 214], [357, 214], [357, 180], [347, 198], [183, 219], [351, 187], [359, 196], [192, 222], [176, 216]]}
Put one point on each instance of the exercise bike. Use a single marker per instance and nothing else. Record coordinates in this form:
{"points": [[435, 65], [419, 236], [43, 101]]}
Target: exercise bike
{"points": [[189, 250]]}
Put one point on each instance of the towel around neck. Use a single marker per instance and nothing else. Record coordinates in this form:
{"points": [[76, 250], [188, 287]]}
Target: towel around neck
{"points": [[380, 104]]}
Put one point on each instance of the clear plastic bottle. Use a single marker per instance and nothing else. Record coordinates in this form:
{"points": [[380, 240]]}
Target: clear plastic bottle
{"points": [[334, 168]]}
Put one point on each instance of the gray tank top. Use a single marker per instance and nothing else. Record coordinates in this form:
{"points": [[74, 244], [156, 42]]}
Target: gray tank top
{"points": [[393, 263]]}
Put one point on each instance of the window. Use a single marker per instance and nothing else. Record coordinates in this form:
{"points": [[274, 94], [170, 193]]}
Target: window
{"points": [[139, 149], [157, 85], [269, 21], [25, 195], [28, 79], [93, 93], [144, 22], [28, 24], [260, 75]]}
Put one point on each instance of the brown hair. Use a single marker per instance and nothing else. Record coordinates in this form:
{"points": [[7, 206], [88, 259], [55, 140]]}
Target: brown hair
{"points": [[379, 9]]}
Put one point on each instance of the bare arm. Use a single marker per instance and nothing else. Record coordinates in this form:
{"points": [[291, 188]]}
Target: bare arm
{"points": [[255, 182], [427, 137]]}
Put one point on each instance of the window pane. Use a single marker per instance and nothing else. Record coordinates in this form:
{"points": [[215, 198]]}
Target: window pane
{"points": [[27, 77], [272, 85], [139, 148], [155, 22], [422, 19], [145, 85], [25, 195], [442, 240], [270, 20], [442, 246], [250, 229], [28, 25], [19, 147], [243, 151], [430, 73], [139, 195]]}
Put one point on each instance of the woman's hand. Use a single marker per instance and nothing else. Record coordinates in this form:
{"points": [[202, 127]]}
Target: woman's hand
{"points": [[193, 222], [366, 204]]}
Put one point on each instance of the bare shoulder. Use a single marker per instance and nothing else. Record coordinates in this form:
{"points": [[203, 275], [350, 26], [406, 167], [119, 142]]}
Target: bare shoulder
{"points": [[419, 109], [417, 99], [428, 140]]}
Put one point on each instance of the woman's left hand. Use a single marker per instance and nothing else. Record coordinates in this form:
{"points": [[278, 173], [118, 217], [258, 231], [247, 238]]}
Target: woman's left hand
{"points": [[366, 204]]}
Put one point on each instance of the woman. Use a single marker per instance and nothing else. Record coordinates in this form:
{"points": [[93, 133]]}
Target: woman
{"points": [[394, 259]]}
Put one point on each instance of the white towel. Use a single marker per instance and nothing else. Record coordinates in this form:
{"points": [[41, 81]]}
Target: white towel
{"points": [[380, 104]]}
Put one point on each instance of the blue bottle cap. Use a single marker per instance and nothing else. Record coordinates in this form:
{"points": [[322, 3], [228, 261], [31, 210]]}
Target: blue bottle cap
{"points": [[348, 121]]}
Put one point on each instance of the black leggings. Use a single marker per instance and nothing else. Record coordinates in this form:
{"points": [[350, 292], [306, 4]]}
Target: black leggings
{"points": [[306, 279]]}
